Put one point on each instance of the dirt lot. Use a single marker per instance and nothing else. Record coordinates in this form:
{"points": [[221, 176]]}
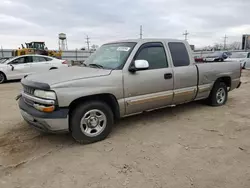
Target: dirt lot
{"points": [[191, 145]]}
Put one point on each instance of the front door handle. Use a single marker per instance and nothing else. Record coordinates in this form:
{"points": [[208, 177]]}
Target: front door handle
{"points": [[168, 76]]}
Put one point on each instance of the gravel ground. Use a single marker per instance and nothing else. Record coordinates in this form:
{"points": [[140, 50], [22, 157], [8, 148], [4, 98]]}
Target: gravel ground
{"points": [[191, 145]]}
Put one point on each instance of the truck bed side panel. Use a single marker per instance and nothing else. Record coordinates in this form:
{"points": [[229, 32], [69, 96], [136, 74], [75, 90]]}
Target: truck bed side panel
{"points": [[210, 72]]}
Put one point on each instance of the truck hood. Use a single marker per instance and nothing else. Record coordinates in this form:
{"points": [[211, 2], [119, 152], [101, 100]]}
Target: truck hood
{"points": [[67, 74]]}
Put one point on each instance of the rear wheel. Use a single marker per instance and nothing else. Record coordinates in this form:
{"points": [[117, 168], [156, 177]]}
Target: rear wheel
{"points": [[91, 122], [2, 78], [218, 95]]}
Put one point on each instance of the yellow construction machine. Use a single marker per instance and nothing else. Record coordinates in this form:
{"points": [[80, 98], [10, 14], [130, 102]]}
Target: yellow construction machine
{"points": [[37, 48]]}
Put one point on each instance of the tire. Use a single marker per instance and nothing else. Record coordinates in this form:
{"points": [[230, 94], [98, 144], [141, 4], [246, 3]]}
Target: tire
{"points": [[91, 122], [2, 78], [216, 99]]}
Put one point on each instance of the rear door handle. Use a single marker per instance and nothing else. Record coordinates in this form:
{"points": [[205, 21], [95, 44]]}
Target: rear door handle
{"points": [[168, 76]]}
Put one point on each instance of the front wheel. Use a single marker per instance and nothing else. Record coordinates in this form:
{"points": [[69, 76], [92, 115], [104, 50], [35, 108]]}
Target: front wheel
{"points": [[2, 78], [218, 95], [91, 122]]}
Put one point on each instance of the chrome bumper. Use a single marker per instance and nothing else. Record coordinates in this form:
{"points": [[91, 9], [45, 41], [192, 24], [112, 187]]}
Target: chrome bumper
{"points": [[53, 122]]}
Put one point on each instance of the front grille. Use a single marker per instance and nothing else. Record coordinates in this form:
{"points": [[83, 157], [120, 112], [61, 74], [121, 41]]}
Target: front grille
{"points": [[28, 90]]}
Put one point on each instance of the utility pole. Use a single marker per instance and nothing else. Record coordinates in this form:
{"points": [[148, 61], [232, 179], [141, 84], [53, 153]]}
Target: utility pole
{"points": [[2, 51], [140, 31], [186, 35], [225, 42], [87, 41]]}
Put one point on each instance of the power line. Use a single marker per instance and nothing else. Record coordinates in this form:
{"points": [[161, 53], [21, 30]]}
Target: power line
{"points": [[140, 31], [225, 41], [87, 41], [186, 35]]}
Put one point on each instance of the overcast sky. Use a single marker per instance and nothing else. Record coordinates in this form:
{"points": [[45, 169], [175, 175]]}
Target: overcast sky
{"points": [[108, 20]]}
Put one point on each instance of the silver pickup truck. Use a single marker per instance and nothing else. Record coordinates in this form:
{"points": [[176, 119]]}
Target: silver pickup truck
{"points": [[121, 79]]}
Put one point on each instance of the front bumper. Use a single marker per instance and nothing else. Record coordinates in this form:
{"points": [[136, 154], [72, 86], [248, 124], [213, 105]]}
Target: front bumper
{"points": [[54, 122]]}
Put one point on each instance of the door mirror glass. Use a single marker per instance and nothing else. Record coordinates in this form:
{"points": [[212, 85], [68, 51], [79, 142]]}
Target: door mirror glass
{"points": [[141, 64]]}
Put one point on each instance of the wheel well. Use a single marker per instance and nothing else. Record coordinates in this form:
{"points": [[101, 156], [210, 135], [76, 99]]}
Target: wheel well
{"points": [[226, 80], [53, 68], [109, 99], [3, 74]]}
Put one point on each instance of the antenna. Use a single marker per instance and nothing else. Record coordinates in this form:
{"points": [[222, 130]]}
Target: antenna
{"points": [[186, 35]]}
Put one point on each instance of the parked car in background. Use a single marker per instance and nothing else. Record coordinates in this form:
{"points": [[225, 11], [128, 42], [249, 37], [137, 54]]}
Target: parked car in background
{"points": [[198, 59], [18, 67], [121, 79], [242, 57], [216, 56]]}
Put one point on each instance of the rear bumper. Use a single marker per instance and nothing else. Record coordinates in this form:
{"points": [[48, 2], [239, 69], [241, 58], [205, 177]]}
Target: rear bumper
{"points": [[54, 122]]}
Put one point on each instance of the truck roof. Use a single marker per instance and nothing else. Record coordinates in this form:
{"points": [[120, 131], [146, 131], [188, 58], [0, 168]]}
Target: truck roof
{"points": [[148, 40]]}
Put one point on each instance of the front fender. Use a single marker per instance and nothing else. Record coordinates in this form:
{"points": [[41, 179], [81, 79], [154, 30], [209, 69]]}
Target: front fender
{"points": [[69, 91], [66, 95]]}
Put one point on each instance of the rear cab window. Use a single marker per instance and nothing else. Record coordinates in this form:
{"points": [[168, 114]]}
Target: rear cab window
{"points": [[179, 54]]}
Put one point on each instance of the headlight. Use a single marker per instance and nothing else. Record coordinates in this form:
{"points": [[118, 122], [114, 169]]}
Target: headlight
{"points": [[45, 94]]}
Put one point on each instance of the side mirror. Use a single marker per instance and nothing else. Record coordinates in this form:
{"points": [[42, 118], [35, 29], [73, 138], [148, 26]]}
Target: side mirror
{"points": [[12, 67], [139, 65]]}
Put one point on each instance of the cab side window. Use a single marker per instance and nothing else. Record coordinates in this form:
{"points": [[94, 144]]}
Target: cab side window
{"points": [[154, 53], [179, 54]]}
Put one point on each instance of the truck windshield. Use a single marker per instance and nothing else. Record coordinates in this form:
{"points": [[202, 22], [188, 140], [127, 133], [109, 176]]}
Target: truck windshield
{"points": [[111, 56]]}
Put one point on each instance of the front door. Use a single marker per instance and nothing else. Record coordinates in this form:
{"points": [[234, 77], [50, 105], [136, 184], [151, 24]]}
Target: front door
{"points": [[21, 66], [151, 88]]}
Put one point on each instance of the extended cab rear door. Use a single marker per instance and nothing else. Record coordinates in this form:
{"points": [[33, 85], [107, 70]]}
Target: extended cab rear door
{"points": [[185, 72], [151, 88]]}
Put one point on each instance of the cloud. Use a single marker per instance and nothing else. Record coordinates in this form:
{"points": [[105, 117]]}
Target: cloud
{"points": [[109, 20]]}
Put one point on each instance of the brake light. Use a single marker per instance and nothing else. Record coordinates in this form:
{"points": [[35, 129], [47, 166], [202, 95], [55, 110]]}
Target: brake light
{"points": [[64, 62]]}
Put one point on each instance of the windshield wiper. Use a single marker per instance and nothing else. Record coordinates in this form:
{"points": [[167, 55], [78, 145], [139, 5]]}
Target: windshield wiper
{"points": [[96, 65]]}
